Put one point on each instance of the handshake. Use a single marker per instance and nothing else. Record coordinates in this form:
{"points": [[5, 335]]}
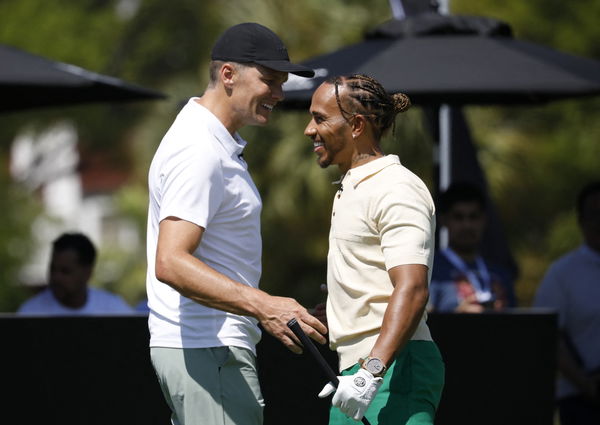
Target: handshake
{"points": [[354, 393]]}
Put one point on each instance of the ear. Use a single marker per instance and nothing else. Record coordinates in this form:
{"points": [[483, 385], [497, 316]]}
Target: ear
{"points": [[359, 125], [227, 74]]}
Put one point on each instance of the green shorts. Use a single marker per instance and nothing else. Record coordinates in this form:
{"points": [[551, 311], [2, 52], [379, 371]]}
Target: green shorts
{"points": [[411, 389], [209, 386]]}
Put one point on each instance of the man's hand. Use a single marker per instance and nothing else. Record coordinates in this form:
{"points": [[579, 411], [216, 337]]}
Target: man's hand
{"points": [[469, 305], [354, 393], [320, 312], [276, 312]]}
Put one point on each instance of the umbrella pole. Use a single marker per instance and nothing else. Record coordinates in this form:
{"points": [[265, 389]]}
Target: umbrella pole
{"points": [[445, 151], [397, 9], [444, 159]]}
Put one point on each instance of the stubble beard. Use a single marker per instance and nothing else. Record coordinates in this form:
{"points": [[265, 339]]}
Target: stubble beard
{"points": [[324, 164]]}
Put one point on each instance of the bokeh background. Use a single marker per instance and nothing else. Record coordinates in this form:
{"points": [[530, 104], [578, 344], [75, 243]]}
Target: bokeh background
{"points": [[535, 157]]}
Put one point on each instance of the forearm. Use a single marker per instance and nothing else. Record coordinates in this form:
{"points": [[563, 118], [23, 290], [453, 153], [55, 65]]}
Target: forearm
{"points": [[179, 268], [201, 283], [401, 318], [196, 280], [403, 314]]}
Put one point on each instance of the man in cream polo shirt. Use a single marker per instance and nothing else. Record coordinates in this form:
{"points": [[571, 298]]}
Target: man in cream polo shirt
{"points": [[379, 262], [204, 244]]}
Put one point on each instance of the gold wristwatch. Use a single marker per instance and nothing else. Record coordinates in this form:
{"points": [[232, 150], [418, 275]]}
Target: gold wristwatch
{"points": [[374, 365]]}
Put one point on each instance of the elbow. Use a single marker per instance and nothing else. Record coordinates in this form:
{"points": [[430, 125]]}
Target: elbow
{"points": [[416, 294], [419, 294], [422, 295], [162, 269], [167, 270]]}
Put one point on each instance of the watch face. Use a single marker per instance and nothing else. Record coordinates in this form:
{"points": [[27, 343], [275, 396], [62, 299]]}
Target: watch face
{"points": [[375, 366]]}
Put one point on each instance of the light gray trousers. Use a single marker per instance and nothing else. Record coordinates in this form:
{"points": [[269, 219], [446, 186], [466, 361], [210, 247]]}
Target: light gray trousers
{"points": [[209, 386]]}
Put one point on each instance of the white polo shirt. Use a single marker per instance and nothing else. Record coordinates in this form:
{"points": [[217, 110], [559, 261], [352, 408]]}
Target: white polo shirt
{"points": [[383, 216], [198, 175]]}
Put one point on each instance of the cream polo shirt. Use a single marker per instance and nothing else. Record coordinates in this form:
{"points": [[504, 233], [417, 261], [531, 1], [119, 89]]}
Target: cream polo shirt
{"points": [[383, 216]]}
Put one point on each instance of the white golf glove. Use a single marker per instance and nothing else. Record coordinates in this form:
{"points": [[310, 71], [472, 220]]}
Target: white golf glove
{"points": [[354, 393]]}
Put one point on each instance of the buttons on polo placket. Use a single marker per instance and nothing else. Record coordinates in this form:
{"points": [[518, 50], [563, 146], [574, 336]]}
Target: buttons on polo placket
{"points": [[341, 189]]}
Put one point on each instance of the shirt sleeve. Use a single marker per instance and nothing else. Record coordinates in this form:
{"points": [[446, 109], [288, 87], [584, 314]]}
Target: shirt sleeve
{"points": [[405, 220], [25, 308], [33, 305]]}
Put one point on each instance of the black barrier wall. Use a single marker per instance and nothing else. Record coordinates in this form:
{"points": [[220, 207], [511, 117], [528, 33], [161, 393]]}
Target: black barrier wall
{"points": [[500, 370], [79, 371]]}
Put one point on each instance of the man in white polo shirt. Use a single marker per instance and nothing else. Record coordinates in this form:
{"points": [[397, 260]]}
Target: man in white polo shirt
{"points": [[379, 261], [204, 244]]}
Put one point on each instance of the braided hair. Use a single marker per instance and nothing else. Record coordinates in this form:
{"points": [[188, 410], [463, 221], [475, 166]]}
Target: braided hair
{"points": [[367, 97]]}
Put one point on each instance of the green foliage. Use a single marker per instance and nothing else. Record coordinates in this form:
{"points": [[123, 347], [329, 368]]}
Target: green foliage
{"points": [[124, 270], [16, 237], [67, 31]]}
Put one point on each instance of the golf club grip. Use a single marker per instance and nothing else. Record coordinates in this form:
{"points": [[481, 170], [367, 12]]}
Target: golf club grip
{"points": [[308, 344]]}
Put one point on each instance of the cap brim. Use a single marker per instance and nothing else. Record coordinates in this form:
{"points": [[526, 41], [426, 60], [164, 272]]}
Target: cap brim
{"points": [[285, 66]]}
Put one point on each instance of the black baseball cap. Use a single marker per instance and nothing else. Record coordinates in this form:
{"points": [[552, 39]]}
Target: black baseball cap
{"points": [[255, 43]]}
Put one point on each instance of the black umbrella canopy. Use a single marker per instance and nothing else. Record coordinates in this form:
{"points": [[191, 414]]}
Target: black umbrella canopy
{"points": [[30, 81], [454, 60]]}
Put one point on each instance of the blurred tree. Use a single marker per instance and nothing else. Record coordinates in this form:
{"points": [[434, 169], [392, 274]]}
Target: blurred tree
{"points": [[537, 158], [16, 244], [75, 32]]}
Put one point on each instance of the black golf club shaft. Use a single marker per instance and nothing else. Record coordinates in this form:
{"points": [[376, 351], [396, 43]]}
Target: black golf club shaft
{"points": [[312, 349]]}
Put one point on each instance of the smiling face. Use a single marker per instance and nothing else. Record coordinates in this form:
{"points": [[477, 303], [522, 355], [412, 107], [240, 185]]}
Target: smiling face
{"points": [[329, 131], [255, 92]]}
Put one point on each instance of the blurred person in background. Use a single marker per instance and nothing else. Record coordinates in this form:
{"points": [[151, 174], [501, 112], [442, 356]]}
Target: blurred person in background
{"points": [[571, 286], [462, 280], [68, 292]]}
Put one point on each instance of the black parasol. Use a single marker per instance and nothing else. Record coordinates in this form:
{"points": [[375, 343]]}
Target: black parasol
{"points": [[458, 60], [30, 81]]}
